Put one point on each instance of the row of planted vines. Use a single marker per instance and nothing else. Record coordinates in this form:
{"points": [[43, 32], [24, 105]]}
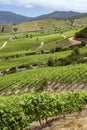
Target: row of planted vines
{"points": [[18, 112], [35, 77]]}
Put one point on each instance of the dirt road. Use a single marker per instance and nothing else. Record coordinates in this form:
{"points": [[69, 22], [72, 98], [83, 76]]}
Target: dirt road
{"points": [[73, 41], [3, 45]]}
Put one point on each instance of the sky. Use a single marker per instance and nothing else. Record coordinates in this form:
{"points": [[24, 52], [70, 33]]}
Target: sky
{"points": [[32, 8]]}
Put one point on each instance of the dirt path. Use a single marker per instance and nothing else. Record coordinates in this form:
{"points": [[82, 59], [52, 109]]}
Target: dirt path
{"points": [[41, 44], [75, 121], [73, 41], [3, 45]]}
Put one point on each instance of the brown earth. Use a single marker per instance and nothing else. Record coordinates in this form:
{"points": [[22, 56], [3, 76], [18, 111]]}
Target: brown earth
{"points": [[75, 121], [4, 44], [74, 41]]}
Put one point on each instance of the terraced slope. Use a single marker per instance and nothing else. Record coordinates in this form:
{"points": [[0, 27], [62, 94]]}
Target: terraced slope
{"points": [[80, 22], [61, 78], [48, 25], [33, 43], [40, 25], [36, 60]]}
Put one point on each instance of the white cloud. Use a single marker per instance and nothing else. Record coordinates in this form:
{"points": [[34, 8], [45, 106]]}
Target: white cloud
{"points": [[76, 5]]}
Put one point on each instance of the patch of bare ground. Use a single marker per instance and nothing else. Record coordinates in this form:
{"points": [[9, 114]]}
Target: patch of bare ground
{"points": [[41, 44], [52, 87], [60, 87], [73, 41], [74, 121]]}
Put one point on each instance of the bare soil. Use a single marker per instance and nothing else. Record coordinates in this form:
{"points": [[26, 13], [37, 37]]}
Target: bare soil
{"points": [[75, 121], [74, 41], [3, 45]]}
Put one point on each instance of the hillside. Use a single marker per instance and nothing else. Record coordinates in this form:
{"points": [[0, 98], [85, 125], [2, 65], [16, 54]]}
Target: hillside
{"points": [[40, 25], [43, 75], [47, 25]]}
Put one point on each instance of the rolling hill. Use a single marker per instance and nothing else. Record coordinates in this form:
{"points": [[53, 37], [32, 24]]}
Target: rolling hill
{"points": [[59, 15]]}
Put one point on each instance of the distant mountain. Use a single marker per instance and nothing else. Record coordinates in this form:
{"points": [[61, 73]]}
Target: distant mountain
{"points": [[59, 15], [10, 17]]}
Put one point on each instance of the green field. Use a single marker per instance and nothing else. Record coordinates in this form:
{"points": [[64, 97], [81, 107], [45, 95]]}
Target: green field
{"points": [[35, 59], [28, 43]]}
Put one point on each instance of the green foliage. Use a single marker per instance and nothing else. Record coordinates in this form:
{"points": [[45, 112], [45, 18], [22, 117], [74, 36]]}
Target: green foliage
{"points": [[82, 33], [74, 57], [50, 61], [2, 29], [15, 29], [75, 52], [83, 43], [34, 77], [17, 112]]}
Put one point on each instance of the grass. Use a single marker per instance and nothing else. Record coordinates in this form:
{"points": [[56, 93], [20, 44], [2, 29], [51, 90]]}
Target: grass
{"points": [[72, 32], [35, 59], [20, 45], [27, 60], [3, 37], [80, 22], [44, 25], [31, 44]]}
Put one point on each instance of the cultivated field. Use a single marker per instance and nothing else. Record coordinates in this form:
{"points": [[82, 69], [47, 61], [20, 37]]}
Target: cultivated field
{"points": [[43, 75]]}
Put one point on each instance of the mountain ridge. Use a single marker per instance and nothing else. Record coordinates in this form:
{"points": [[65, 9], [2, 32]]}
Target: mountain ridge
{"points": [[7, 17]]}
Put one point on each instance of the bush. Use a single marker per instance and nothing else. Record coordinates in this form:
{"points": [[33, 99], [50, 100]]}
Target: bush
{"points": [[83, 43], [57, 49], [75, 52], [50, 62]]}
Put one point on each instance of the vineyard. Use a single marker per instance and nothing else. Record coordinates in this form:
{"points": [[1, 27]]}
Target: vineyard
{"points": [[69, 76], [18, 112], [42, 73]]}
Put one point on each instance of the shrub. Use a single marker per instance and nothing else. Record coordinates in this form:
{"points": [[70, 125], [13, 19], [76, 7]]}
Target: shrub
{"points": [[50, 62]]}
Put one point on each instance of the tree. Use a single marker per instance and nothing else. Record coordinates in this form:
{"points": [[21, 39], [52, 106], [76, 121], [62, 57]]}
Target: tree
{"points": [[83, 43], [30, 36], [15, 29], [2, 29], [75, 52], [26, 35]]}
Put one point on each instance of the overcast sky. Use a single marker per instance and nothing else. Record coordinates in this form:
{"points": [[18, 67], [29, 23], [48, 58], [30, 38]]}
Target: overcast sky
{"points": [[38, 7]]}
